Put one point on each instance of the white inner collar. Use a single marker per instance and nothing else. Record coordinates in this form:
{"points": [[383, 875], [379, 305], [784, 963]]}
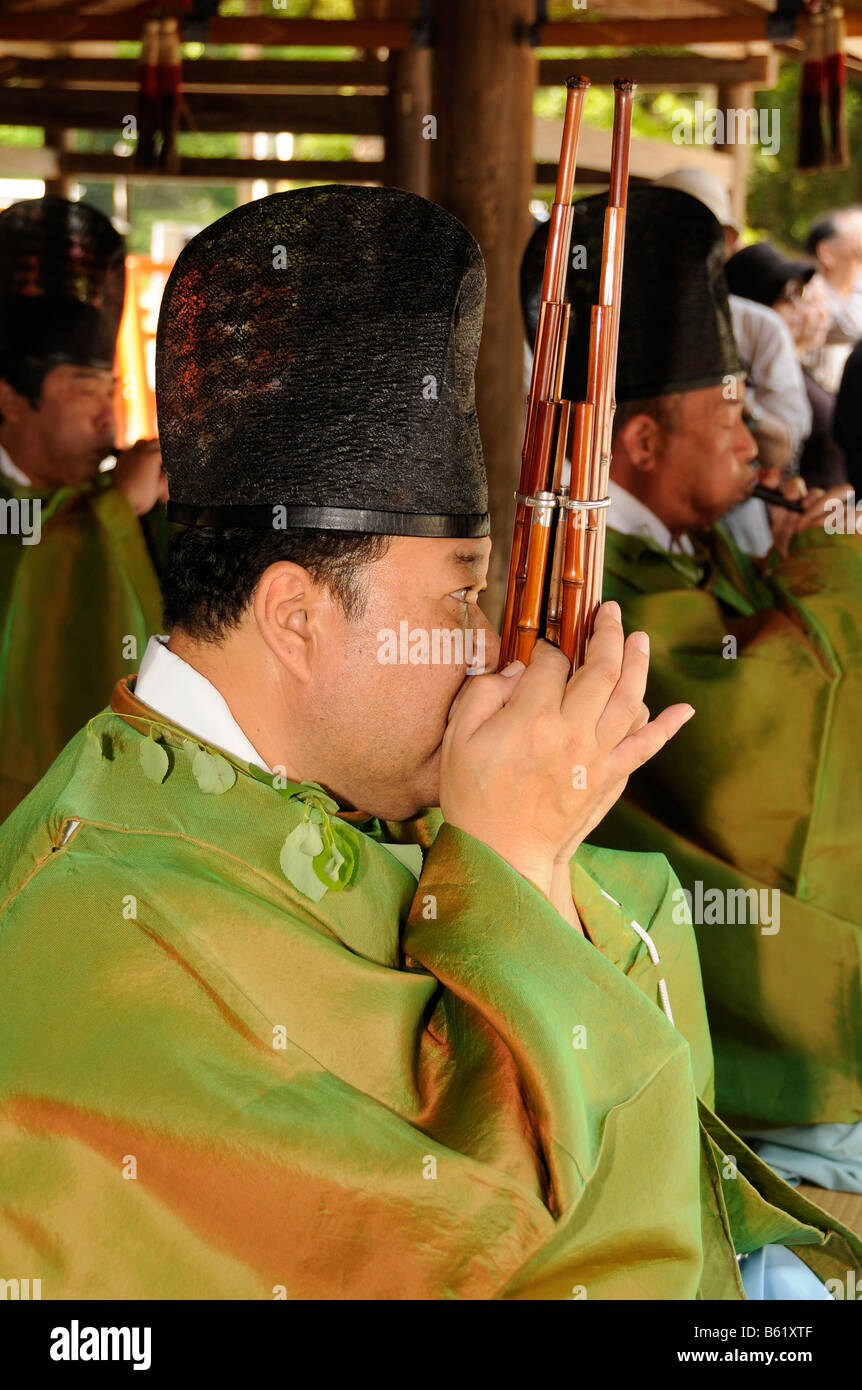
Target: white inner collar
{"points": [[176, 690], [632, 517]]}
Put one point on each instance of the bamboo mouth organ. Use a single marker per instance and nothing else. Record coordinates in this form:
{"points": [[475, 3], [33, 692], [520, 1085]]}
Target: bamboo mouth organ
{"points": [[558, 546]]}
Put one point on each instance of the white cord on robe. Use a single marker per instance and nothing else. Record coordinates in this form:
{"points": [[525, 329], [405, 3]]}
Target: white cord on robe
{"points": [[654, 956]]}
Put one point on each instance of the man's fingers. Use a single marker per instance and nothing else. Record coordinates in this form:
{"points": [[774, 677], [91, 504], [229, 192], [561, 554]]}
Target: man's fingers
{"points": [[626, 699], [544, 684], [590, 687], [818, 500], [638, 748], [480, 697], [795, 488], [640, 719]]}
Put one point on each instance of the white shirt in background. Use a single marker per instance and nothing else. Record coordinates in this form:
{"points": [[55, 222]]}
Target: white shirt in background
{"points": [[628, 515], [766, 347], [844, 332]]}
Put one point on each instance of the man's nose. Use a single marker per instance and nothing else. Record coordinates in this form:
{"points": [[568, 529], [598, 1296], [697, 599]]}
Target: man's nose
{"points": [[747, 446], [104, 410]]}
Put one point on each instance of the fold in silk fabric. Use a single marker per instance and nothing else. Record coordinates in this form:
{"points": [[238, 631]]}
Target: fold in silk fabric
{"points": [[211, 1086], [761, 791], [75, 614]]}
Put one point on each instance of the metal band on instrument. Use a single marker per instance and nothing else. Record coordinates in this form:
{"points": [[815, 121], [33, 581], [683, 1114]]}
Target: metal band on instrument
{"points": [[580, 504], [540, 499]]}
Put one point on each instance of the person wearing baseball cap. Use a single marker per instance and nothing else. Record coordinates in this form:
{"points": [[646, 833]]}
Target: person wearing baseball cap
{"points": [[708, 188]]}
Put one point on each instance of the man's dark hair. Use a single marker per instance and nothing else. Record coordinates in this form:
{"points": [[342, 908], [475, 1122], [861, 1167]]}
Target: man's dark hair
{"points": [[24, 375], [823, 228], [663, 409], [210, 576]]}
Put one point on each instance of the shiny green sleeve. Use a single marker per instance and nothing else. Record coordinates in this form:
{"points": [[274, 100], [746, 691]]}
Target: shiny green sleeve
{"points": [[75, 614], [758, 800]]}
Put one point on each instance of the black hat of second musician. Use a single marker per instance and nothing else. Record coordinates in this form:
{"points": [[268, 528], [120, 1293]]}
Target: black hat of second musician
{"points": [[675, 325], [314, 367], [62, 283]]}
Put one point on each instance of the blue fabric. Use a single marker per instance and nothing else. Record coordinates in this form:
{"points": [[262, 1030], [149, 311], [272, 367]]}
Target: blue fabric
{"points": [[774, 1272], [825, 1155]]}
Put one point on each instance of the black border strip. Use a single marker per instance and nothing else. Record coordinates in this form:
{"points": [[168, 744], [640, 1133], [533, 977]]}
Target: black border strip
{"points": [[359, 519]]}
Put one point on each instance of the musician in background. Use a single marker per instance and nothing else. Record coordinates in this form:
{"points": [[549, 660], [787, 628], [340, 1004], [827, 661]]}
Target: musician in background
{"points": [[761, 792], [348, 1047], [78, 590], [777, 410]]}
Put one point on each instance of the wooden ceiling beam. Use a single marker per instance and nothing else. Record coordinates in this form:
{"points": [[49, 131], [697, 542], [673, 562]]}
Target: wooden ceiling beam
{"points": [[546, 176], [212, 111], [59, 26], [667, 33], [213, 74], [685, 72], [111, 166], [200, 74]]}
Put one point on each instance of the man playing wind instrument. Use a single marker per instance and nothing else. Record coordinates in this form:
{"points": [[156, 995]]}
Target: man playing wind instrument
{"points": [[79, 594], [273, 1028], [758, 806]]}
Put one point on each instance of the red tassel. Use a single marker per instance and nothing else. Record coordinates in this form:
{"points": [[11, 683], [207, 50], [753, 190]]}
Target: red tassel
{"points": [[148, 96], [811, 154], [170, 87], [836, 83]]}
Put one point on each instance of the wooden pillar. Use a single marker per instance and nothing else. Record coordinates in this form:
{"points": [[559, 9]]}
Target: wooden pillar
{"points": [[406, 160], [482, 171], [408, 153], [59, 139], [738, 98]]}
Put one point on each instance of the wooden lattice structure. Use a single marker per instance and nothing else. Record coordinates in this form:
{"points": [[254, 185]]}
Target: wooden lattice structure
{"points": [[472, 65]]}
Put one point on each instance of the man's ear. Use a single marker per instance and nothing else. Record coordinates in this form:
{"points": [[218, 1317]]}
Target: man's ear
{"points": [[291, 612], [826, 254], [12, 405], [640, 439]]}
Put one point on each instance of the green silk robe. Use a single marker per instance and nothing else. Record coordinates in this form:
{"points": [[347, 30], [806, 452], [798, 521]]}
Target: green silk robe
{"points": [[75, 614], [761, 790], [212, 1086]]}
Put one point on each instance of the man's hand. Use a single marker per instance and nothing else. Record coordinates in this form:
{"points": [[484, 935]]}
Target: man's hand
{"points": [[785, 525], [532, 760], [139, 476]]}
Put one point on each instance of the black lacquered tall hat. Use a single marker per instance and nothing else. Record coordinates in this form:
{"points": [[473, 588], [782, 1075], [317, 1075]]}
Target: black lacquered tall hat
{"points": [[62, 283], [675, 325], [315, 353]]}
